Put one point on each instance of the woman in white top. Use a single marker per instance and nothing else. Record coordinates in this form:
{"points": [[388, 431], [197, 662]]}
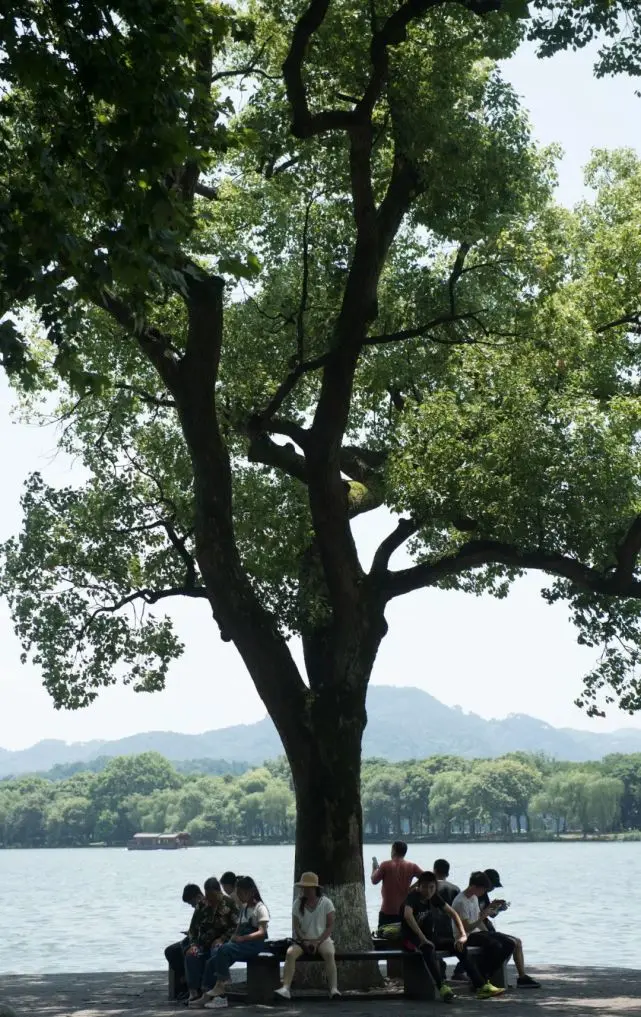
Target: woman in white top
{"points": [[248, 941], [313, 916]]}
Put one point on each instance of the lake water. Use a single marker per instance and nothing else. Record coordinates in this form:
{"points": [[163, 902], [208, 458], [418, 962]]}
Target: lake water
{"points": [[115, 910]]}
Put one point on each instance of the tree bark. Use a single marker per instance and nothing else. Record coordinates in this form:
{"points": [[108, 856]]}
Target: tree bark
{"points": [[329, 823]]}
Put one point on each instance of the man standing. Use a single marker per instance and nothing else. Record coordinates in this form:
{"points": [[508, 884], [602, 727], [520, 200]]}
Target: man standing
{"points": [[524, 981], [175, 953], [448, 891], [396, 876], [495, 950]]}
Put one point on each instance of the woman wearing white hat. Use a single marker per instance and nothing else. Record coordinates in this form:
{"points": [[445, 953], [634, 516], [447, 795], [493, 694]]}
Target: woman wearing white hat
{"points": [[313, 916]]}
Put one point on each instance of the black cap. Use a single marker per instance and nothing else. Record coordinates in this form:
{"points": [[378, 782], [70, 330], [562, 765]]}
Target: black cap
{"points": [[480, 879], [493, 875]]}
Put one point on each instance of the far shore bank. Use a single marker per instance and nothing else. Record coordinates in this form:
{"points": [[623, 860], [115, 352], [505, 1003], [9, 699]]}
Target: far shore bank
{"points": [[563, 838]]}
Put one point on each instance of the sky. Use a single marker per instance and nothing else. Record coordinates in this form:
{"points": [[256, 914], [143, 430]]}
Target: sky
{"points": [[490, 657]]}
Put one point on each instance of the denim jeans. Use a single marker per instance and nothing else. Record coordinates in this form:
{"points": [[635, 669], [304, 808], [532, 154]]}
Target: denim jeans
{"points": [[217, 968], [175, 954], [195, 966]]}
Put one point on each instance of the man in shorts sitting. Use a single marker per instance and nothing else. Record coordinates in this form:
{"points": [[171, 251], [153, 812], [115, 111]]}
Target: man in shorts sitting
{"points": [[523, 981], [495, 951]]}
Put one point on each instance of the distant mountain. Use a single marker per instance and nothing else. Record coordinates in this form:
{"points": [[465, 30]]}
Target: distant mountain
{"points": [[404, 723]]}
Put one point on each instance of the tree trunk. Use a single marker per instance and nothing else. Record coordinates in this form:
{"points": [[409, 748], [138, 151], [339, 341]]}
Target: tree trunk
{"points": [[320, 725], [329, 837], [329, 819]]}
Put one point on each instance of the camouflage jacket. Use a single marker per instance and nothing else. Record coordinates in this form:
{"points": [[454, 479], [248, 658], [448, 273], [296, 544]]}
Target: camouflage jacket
{"points": [[211, 922]]}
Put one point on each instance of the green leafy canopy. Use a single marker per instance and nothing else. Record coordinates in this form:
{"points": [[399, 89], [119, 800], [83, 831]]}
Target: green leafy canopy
{"points": [[295, 263]]}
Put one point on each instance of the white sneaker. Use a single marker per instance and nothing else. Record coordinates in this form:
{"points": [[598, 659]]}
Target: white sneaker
{"points": [[335, 994], [283, 992], [217, 1003]]}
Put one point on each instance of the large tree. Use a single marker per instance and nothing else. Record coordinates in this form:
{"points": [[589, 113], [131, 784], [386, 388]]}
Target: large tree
{"points": [[346, 287]]}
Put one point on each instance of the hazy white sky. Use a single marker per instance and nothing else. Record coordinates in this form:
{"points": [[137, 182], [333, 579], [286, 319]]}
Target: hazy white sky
{"points": [[493, 658]]}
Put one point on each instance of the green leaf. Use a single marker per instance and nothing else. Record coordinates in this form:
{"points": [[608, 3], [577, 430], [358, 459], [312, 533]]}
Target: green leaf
{"points": [[247, 269]]}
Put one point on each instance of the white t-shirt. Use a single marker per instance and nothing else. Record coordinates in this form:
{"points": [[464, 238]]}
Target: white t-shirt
{"points": [[253, 915], [466, 908], [313, 923]]}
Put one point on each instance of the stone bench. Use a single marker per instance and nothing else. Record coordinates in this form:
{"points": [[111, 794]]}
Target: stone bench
{"points": [[263, 971]]}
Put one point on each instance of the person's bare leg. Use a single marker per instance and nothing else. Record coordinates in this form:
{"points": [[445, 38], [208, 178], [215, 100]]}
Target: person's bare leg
{"points": [[519, 959], [294, 952], [524, 980], [326, 950]]}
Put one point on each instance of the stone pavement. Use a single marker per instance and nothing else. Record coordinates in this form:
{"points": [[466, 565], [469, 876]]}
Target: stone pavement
{"points": [[566, 992]]}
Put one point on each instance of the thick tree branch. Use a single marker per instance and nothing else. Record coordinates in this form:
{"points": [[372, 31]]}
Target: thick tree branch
{"points": [[155, 344], [272, 169], [400, 192], [628, 552], [304, 124], [477, 553], [277, 425], [421, 330], [304, 295], [357, 496], [404, 529], [362, 464], [249, 68], [627, 319], [263, 417], [205, 191], [146, 397], [179, 544], [392, 33], [359, 464], [147, 596], [205, 326], [281, 457], [375, 232], [456, 273]]}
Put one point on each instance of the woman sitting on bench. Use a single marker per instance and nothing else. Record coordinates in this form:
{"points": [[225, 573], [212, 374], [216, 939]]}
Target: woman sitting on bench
{"points": [[313, 917], [247, 941]]}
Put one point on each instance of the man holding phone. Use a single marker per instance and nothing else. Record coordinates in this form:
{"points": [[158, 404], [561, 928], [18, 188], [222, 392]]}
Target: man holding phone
{"points": [[396, 875], [493, 908]]}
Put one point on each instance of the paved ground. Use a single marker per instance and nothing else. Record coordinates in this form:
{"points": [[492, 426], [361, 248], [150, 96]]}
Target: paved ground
{"points": [[566, 992]]}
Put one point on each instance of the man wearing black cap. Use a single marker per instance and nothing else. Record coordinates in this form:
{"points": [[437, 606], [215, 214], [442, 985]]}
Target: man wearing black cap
{"points": [[524, 981], [494, 952]]}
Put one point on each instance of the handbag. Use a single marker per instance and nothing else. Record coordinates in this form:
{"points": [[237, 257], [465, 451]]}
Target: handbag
{"points": [[278, 947]]}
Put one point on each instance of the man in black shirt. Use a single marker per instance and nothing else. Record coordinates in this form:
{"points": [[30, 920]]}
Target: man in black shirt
{"points": [[448, 891], [419, 932], [175, 952]]}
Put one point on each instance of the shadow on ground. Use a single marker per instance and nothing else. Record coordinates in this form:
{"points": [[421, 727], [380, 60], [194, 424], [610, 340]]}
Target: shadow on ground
{"points": [[567, 991]]}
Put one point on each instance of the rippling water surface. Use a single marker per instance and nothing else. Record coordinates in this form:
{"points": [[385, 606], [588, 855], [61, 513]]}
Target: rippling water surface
{"points": [[115, 910]]}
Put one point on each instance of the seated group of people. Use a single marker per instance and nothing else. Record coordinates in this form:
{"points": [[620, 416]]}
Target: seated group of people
{"points": [[434, 914], [229, 924], [425, 909]]}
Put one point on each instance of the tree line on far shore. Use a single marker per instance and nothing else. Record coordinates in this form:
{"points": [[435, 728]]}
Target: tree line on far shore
{"points": [[441, 797]]}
